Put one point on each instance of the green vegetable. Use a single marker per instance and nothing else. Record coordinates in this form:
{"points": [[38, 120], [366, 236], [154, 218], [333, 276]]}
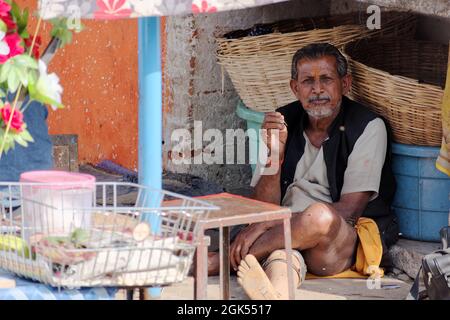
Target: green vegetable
{"points": [[79, 237], [12, 243]]}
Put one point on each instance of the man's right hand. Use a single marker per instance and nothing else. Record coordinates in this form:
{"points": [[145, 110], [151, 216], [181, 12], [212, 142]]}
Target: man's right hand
{"points": [[245, 239], [274, 121]]}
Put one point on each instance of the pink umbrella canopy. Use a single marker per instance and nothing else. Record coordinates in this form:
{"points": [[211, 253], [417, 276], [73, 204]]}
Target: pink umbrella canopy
{"points": [[118, 9]]}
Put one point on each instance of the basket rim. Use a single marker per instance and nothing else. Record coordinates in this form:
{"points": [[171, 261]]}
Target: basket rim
{"points": [[388, 74], [400, 14], [287, 34]]}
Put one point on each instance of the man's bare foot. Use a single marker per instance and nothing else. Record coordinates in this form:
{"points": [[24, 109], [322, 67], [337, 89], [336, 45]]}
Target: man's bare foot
{"points": [[213, 263], [254, 280]]}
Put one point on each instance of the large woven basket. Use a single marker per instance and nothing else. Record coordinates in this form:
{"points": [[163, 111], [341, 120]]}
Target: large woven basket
{"points": [[403, 81], [259, 66]]}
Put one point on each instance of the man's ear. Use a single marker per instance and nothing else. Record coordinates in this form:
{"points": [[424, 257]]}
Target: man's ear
{"points": [[346, 84], [294, 86]]}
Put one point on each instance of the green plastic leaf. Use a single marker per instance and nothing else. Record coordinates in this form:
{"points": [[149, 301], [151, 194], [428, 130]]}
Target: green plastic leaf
{"points": [[63, 30], [20, 16], [24, 34], [9, 141], [3, 26], [20, 140], [25, 134], [5, 69], [16, 71], [25, 61], [32, 77], [13, 81]]}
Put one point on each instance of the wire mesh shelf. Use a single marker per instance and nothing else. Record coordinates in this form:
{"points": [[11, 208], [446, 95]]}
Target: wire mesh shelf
{"points": [[104, 234]]}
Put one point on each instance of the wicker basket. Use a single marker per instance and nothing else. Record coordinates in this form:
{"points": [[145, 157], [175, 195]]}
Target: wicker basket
{"points": [[259, 66], [403, 81]]}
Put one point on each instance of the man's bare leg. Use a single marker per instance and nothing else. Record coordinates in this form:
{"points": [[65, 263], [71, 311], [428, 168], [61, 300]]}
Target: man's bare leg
{"points": [[276, 270], [326, 241], [213, 263]]}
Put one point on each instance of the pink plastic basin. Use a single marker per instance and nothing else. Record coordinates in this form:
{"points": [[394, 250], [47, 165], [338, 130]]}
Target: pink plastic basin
{"points": [[59, 179]]}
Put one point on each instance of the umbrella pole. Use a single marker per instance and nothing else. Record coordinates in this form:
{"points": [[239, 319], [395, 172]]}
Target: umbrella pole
{"points": [[150, 115]]}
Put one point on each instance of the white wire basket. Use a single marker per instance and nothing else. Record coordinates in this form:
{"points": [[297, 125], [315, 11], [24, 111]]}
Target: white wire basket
{"points": [[110, 234]]}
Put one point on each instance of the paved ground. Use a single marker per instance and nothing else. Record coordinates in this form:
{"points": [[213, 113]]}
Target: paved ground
{"points": [[317, 289]]}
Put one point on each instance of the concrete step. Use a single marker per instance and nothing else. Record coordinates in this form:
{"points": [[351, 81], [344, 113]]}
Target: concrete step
{"points": [[315, 289], [407, 255]]}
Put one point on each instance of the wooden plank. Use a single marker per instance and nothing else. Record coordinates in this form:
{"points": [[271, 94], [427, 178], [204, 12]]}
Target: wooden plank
{"points": [[230, 205]]}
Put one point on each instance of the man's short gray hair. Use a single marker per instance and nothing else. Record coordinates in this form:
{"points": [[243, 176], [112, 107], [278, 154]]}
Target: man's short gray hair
{"points": [[316, 51]]}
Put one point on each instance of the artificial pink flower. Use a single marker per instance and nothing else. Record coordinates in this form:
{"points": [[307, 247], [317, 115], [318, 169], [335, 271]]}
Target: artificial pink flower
{"points": [[204, 8], [110, 9], [17, 119], [15, 48]]}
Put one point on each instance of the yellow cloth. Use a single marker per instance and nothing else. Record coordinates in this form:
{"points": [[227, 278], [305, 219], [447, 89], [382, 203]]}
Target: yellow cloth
{"points": [[368, 256], [443, 161]]}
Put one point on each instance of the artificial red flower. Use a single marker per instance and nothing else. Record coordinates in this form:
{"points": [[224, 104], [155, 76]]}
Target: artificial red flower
{"points": [[10, 24], [36, 47], [5, 15], [17, 118], [14, 43], [205, 8], [5, 8]]}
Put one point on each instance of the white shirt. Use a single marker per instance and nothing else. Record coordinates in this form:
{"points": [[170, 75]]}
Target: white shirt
{"points": [[363, 172]]}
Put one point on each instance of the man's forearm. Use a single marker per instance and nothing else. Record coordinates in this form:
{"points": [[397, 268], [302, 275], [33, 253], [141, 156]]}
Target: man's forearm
{"points": [[352, 205], [348, 213], [268, 189]]}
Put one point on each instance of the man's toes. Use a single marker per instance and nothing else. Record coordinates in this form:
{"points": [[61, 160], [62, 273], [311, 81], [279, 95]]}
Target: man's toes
{"points": [[250, 260], [242, 269], [244, 265], [240, 274]]}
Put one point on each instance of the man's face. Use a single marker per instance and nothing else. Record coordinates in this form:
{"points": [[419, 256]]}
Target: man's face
{"points": [[318, 86]]}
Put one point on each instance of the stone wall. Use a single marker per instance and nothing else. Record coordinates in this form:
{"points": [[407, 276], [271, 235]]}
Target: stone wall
{"points": [[193, 79], [429, 7]]}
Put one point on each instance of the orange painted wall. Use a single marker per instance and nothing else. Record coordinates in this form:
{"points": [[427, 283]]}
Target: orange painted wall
{"points": [[99, 74]]}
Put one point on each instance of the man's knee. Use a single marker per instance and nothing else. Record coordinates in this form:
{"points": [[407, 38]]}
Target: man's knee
{"points": [[322, 218], [277, 255]]}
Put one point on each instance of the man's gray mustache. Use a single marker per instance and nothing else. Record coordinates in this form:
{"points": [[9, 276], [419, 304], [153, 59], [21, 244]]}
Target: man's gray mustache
{"points": [[315, 99]]}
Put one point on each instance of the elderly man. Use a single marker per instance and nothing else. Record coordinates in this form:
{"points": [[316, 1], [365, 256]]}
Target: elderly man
{"points": [[333, 168]]}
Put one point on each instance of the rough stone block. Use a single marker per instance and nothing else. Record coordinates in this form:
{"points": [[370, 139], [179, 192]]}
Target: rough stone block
{"points": [[407, 255]]}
